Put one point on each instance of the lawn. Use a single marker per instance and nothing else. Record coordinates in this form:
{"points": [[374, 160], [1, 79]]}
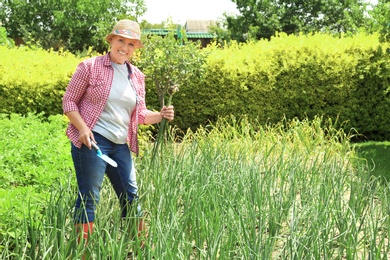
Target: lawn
{"points": [[377, 155]]}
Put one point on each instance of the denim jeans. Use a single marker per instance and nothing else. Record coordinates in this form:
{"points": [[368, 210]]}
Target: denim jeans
{"points": [[90, 170]]}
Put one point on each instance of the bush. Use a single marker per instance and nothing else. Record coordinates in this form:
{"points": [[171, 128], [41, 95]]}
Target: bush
{"points": [[34, 80], [346, 79], [34, 156], [298, 76], [4, 40], [34, 151]]}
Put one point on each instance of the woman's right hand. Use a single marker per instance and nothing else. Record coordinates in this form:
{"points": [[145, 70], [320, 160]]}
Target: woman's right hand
{"points": [[86, 136]]}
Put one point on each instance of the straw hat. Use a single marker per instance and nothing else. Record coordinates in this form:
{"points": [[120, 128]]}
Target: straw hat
{"points": [[128, 29]]}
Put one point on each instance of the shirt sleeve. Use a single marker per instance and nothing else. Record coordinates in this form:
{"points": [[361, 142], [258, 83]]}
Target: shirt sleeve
{"points": [[76, 89], [143, 110], [140, 83]]}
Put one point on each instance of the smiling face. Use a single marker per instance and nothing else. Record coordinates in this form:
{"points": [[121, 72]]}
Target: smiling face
{"points": [[121, 49]]}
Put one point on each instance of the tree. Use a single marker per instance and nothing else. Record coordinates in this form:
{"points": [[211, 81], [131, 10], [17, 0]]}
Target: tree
{"points": [[4, 40], [167, 24], [262, 18], [71, 24], [169, 64], [381, 19]]}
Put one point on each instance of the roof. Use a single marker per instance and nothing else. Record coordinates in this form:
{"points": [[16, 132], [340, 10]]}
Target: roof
{"points": [[189, 35], [200, 35], [157, 31]]}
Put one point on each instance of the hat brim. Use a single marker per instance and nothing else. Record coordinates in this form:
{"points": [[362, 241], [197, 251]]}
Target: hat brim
{"points": [[138, 43]]}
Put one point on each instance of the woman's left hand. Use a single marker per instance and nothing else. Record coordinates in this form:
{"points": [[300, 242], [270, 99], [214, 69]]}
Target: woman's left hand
{"points": [[168, 113]]}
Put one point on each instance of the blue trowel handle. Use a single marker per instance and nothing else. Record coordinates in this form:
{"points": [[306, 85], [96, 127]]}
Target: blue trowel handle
{"points": [[96, 148]]}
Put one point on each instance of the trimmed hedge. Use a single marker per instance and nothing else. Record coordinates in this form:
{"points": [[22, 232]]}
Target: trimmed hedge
{"points": [[33, 80], [344, 78]]}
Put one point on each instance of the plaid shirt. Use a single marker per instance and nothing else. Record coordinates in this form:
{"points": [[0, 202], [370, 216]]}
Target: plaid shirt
{"points": [[88, 91]]}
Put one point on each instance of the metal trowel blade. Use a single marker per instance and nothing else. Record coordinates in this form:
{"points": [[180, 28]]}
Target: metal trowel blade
{"points": [[109, 160]]}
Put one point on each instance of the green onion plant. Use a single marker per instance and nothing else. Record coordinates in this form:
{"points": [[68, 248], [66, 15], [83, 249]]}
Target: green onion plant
{"points": [[232, 190]]}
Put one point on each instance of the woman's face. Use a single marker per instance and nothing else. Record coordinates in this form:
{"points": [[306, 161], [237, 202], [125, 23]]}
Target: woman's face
{"points": [[121, 49]]}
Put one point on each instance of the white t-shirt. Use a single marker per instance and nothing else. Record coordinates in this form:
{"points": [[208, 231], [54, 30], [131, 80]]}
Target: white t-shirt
{"points": [[114, 121]]}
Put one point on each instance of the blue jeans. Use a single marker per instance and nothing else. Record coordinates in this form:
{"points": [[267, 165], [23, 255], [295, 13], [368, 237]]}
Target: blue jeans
{"points": [[90, 170]]}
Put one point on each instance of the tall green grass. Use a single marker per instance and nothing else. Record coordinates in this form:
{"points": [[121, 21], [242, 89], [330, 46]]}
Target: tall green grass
{"points": [[235, 190]]}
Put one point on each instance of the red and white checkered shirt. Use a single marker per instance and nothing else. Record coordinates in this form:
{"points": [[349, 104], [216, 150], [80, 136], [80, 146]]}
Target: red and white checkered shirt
{"points": [[88, 91]]}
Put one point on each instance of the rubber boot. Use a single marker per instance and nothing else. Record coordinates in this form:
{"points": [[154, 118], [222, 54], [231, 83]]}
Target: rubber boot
{"points": [[142, 231], [84, 231]]}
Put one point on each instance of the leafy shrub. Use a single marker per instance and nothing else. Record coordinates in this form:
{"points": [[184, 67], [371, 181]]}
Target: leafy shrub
{"points": [[4, 40], [34, 156], [33, 151], [346, 79], [298, 76], [34, 80]]}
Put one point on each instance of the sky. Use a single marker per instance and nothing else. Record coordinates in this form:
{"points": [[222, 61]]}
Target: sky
{"points": [[182, 10]]}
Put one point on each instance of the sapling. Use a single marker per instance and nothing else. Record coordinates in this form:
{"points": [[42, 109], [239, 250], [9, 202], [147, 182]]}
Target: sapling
{"points": [[169, 64]]}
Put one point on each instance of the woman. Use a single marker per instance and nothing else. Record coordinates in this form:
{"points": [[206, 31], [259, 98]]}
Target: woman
{"points": [[105, 101]]}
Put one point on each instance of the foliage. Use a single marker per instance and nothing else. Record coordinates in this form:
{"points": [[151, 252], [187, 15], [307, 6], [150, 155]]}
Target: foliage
{"points": [[167, 24], [34, 156], [34, 80], [376, 155], [35, 160], [34, 152], [73, 25], [237, 190], [243, 192], [169, 64], [261, 19], [381, 19], [346, 79], [4, 40]]}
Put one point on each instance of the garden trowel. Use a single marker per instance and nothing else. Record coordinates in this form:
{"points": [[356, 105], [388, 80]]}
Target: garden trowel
{"points": [[103, 156]]}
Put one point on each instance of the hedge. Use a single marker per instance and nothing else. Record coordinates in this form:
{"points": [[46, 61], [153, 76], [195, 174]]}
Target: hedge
{"points": [[33, 80], [344, 78]]}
